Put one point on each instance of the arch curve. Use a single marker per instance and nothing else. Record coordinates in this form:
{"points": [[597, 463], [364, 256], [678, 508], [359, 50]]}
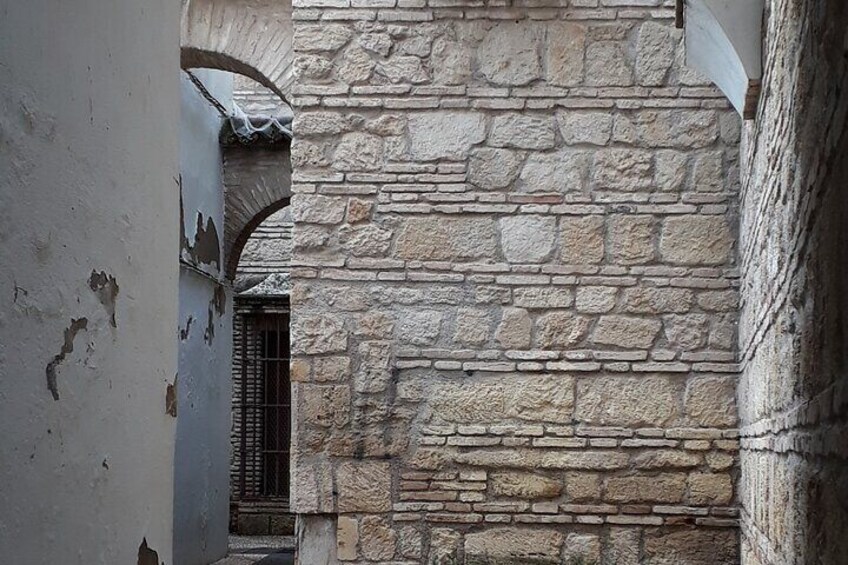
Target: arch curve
{"points": [[249, 37]]}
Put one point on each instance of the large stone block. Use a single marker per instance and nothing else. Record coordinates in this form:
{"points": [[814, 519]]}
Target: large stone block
{"points": [[657, 300], [369, 240], [364, 486], [628, 401], [608, 64], [493, 169], [324, 37], [419, 327], [655, 53], [513, 546], [668, 488], [626, 170], [593, 128], [317, 209], [562, 171], [595, 299], [509, 54], [684, 129], [631, 239], [473, 326], [451, 61], [524, 485], [444, 134], [560, 329], [358, 152], [703, 546], [523, 131], [447, 239], [686, 332], [711, 400], [527, 239], [627, 332], [515, 329], [696, 240], [582, 239], [543, 297], [710, 489], [322, 405], [564, 55], [581, 549], [315, 334], [377, 539]]}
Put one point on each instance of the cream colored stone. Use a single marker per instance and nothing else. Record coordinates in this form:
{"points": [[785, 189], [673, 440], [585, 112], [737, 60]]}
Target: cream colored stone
{"points": [[358, 152], [323, 406], [524, 485], [562, 171], [493, 169], [356, 66], [410, 542], [702, 546], [582, 239], [377, 540], [560, 329], [595, 299], [711, 400], [626, 170], [364, 486], [447, 239], [324, 37], [631, 239], [581, 549], [564, 55], [473, 326], [668, 488], [318, 334], [419, 327], [450, 61], [541, 399], [527, 238], [583, 487], [656, 46], [403, 69], [607, 64], [509, 54], [593, 128], [444, 546], [347, 538], [512, 546], [330, 369], [523, 131], [543, 297], [368, 240], [375, 325], [686, 332], [666, 459], [710, 489], [628, 400], [444, 134], [317, 209], [627, 332], [657, 300], [684, 129], [515, 329], [696, 240]]}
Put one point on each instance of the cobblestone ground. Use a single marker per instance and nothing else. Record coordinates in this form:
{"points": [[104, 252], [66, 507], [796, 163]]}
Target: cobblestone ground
{"points": [[261, 550]]}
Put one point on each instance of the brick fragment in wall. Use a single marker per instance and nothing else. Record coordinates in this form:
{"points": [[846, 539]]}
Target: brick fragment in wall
{"points": [[541, 247]]}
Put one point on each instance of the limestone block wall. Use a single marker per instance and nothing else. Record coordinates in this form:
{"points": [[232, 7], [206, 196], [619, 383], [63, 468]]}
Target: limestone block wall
{"points": [[792, 397], [515, 286]]}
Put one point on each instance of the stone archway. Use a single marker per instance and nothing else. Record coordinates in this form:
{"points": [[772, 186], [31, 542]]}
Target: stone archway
{"points": [[247, 37]]}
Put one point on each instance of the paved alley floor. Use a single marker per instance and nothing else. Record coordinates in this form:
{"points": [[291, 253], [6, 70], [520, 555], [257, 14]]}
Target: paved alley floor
{"points": [[260, 550]]}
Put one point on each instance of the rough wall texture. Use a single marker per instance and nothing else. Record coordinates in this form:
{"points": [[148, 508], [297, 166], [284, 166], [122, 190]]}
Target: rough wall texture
{"points": [[202, 408], [793, 396], [515, 290], [89, 197]]}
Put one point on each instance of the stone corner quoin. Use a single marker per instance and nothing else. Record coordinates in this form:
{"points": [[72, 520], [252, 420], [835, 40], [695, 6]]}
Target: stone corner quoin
{"points": [[514, 285]]}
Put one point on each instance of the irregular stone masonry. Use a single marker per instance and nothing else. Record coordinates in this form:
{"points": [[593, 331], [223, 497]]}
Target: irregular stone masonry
{"points": [[515, 287]]}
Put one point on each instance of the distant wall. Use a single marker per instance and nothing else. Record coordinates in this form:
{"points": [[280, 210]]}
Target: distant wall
{"points": [[89, 200], [793, 395], [202, 460]]}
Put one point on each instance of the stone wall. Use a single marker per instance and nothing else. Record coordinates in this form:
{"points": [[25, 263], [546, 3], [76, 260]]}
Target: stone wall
{"points": [[515, 289], [793, 397]]}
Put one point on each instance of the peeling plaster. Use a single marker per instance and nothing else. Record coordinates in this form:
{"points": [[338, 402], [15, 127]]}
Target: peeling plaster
{"points": [[184, 333], [106, 288], [218, 305], [147, 556], [77, 325]]}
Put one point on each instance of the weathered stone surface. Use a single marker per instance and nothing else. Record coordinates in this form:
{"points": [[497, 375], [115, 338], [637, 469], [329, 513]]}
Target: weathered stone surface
{"points": [[607, 64], [711, 400], [318, 334], [538, 459], [580, 549], [323, 406], [358, 210], [368, 240], [707, 546], [670, 170], [312, 67], [377, 540], [582, 239], [509, 54], [450, 61], [512, 546], [685, 129], [319, 123], [541, 399], [317, 209], [593, 128], [564, 54], [515, 329], [403, 69], [447, 239], [667, 488], [324, 37], [419, 327], [355, 66], [410, 542], [583, 487], [625, 331], [707, 172], [710, 489], [347, 538], [657, 300], [527, 239], [655, 46], [374, 325], [493, 169], [543, 297], [379, 43], [358, 152], [666, 459], [444, 134], [696, 240], [373, 374], [632, 239], [562, 171], [686, 332], [560, 329], [623, 546], [524, 485], [467, 402], [595, 299], [628, 401], [444, 546], [473, 326], [364, 486], [719, 300], [330, 369], [627, 170], [523, 131]]}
